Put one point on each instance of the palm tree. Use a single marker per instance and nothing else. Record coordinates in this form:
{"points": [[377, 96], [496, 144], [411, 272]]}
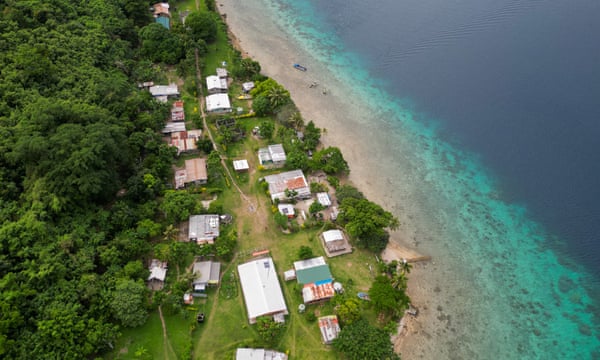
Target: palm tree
{"points": [[171, 233], [399, 281], [405, 267], [296, 120], [277, 96]]}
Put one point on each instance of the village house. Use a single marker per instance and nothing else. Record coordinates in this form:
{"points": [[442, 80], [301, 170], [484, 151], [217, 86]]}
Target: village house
{"points": [[163, 93], [203, 229], [272, 156], [291, 180], [158, 273], [206, 273], [330, 328], [177, 111], [218, 103], [161, 14], [259, 354], [335, 243], [171, 127], [316, 277], [261, 289], [194, 173], [216, 85], [185, 141]]}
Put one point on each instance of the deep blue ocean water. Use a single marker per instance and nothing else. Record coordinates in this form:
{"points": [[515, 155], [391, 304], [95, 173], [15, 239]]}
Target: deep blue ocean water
{"points": [[500, 103]]}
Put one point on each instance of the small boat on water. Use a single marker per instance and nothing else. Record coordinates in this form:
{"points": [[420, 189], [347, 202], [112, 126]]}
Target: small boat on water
{"points": [[300, 67]]}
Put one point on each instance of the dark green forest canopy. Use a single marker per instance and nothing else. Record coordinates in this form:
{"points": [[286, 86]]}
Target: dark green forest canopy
{"points": [[74, 132]]}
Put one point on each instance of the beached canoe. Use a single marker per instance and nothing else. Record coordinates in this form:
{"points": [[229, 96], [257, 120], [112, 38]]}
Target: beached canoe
{"points": [[300, 67]]}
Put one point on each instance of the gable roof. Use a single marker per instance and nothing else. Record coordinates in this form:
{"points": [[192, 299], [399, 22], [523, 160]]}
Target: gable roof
{"points": [[261, 289], [313, 270], [217, 102], [330, 328], [278, 183], [206, 272], [332, 235], [195, 169], [203, 227], [158, 270], [259, 354]]}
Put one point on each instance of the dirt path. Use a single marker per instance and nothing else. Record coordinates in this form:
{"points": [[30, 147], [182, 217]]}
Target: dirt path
{"points": [[166, 343], [210, 318], [251, 204]]}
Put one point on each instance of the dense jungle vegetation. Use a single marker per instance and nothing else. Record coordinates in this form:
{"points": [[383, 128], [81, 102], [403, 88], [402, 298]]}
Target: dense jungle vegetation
{"points": [[81, 165]]}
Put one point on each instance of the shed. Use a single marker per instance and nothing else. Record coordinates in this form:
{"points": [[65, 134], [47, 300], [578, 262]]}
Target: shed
{"points": [[247, 86], [323, 199], [287, 210], [241, 165], [289, 275], [222, 73]]}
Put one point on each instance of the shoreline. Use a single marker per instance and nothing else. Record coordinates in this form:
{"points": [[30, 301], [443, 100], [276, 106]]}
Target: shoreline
{"points": [[321, 105]]}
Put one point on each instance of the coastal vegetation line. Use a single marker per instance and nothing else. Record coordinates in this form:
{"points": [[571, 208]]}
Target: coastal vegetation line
{"points": [[87, 195]]}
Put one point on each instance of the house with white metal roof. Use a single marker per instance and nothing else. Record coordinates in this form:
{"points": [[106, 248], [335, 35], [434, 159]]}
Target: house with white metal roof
{"points": [[259, 354], [158, 273], [241, 165], [335, 243], [216, 85], [203, 229], [163, 93], [272, 156], [324, 199], [218, 103], [261, 289]]}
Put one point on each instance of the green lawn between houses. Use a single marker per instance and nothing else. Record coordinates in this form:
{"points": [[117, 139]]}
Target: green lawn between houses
{"points": [[226, 325]]}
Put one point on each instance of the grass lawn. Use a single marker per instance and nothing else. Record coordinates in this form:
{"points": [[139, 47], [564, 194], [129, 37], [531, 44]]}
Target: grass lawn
{"points": [[226, 326], [146, 342]]}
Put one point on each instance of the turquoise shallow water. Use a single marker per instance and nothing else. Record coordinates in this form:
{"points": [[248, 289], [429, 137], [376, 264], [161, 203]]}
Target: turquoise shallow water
{"points": [[505, 291]]}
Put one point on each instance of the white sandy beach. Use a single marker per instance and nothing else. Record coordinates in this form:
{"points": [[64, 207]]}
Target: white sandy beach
{"points": [[466, 310], [335, 113]]}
